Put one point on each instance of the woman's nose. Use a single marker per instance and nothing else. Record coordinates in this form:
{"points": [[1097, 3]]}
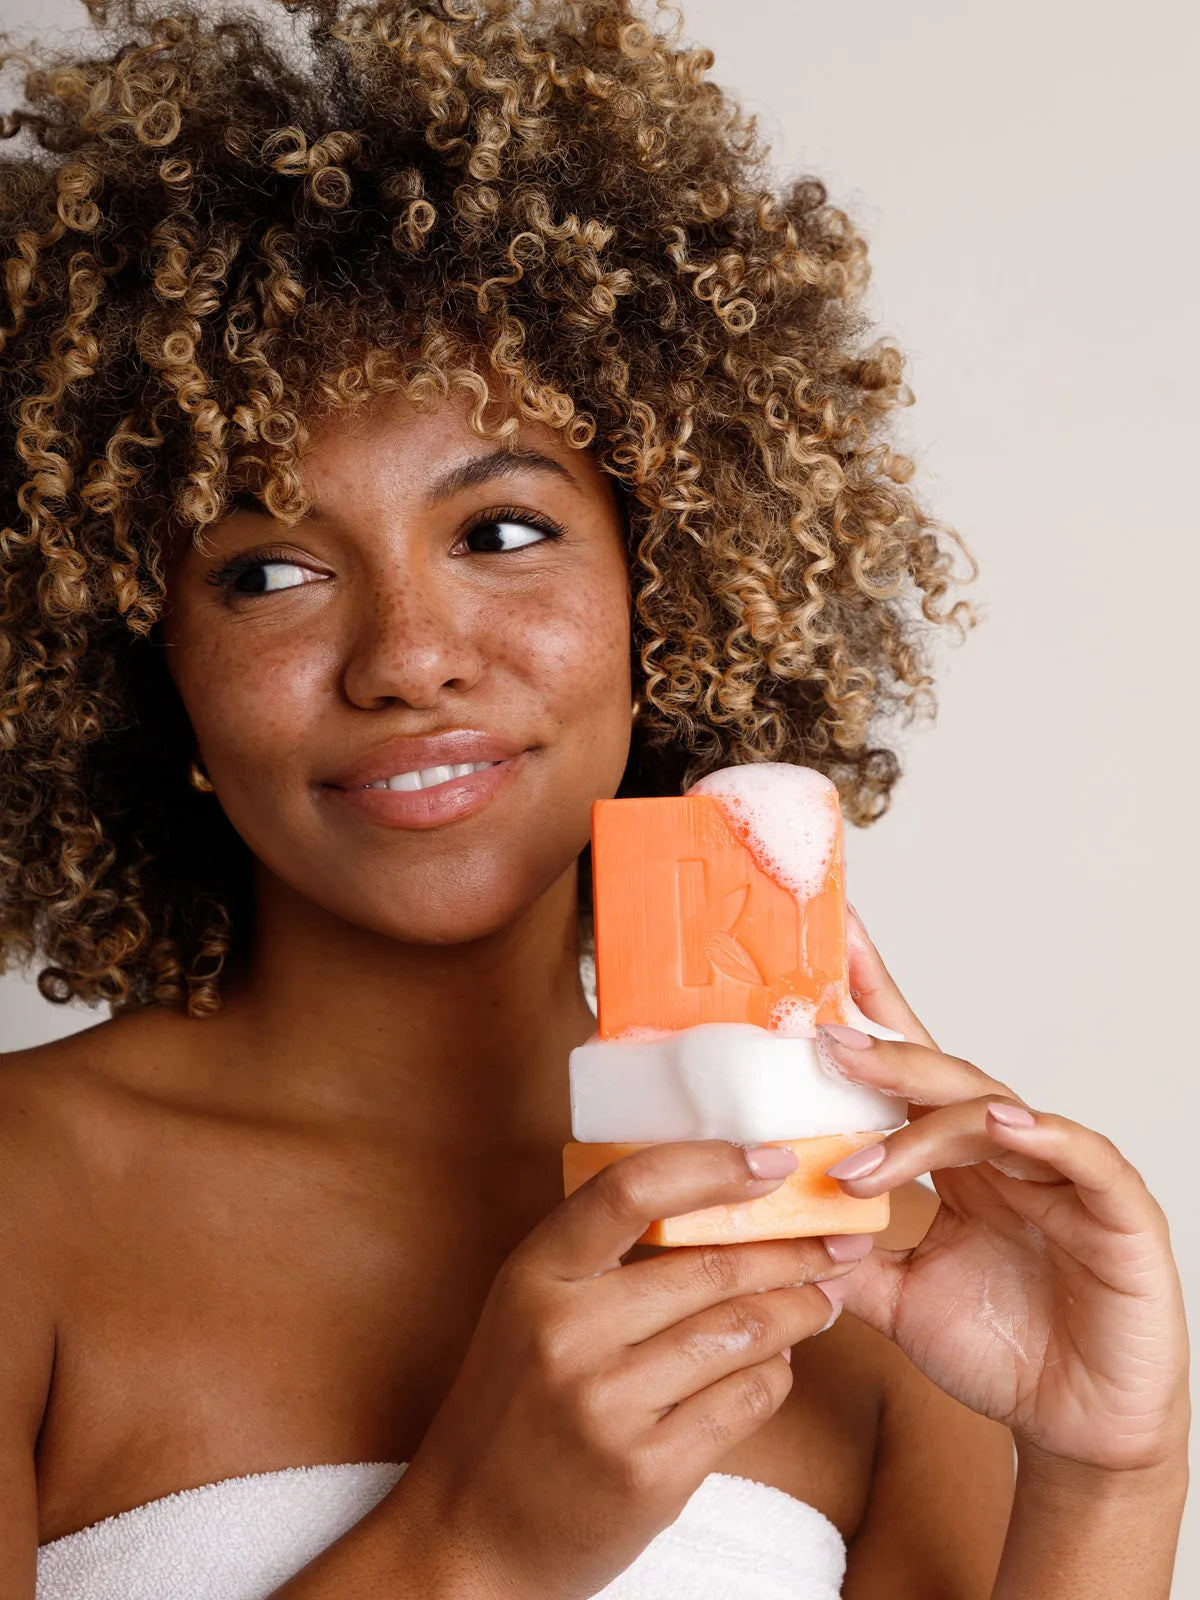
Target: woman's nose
{"points": [[413, 645]]}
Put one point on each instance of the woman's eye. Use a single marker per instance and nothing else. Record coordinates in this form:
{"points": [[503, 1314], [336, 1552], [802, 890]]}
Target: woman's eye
{"points": [[260, 575], [501, 534], [267, 571], [265, 576]]}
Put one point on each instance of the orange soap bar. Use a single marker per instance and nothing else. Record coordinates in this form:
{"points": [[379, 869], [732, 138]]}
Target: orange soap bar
{"points": [[691, 929], [805, 1204]]}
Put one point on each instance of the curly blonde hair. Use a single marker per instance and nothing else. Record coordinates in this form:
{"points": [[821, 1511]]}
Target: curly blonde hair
{"points": [[214, 235]]}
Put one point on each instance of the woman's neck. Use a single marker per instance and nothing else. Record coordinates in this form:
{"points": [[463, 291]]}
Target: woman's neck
{"points": [[460, 1045]]}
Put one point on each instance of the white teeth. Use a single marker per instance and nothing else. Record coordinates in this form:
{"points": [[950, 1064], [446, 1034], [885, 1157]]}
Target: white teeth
{"points": [[428, 777]]}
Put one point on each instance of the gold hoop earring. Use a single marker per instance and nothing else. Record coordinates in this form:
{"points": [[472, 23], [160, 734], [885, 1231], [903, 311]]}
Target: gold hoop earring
{"points": [[636, 709], [198, 778]]}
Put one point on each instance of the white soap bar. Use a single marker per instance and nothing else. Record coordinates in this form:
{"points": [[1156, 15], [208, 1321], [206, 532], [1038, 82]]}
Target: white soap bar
{"points": [[718, 1080]]}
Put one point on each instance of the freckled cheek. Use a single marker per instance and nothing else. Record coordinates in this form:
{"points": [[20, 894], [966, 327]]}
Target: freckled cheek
{"points": [[252, 705], [579, 655]]}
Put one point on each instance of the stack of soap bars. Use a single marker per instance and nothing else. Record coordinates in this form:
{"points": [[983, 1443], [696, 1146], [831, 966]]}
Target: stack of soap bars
{"points": [[720, 945]]}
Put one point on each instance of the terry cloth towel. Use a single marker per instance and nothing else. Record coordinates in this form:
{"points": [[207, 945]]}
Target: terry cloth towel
{"points": [[238, 1539]]}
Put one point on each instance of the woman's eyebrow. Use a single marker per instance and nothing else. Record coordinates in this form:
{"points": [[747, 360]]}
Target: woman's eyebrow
{"points": [[483, 469], [469, 474]]}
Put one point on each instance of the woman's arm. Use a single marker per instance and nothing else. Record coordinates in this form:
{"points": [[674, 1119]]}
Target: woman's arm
{"points": [[1085, 1534], [396, 1550], [27, 1258], [1044, 1295], [25, 1359], [941, 1492], [942, 1480], [942, 1515]]}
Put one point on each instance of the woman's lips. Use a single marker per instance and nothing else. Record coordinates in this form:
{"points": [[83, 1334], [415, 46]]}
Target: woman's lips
{"points": [[431, 808]]}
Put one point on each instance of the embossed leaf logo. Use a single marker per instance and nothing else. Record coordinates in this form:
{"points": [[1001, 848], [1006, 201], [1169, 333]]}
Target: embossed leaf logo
{"points": [[732, 958], [724, 912]]}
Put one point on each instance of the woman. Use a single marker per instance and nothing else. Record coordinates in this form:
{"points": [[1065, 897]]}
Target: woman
{"points": [[457, 397]]}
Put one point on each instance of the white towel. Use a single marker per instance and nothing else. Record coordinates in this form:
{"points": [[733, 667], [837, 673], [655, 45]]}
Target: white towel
{"points": [[239, 1539]]}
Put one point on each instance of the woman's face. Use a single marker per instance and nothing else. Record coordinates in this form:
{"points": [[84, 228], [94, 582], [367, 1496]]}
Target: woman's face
{"points": [[425, 592]]}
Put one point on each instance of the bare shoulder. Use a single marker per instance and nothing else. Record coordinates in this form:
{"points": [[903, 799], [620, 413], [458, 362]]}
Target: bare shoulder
{"points": [[58, 1107], [37, 1088], [46, 1092], [61, 1106], [42, 1202], [47, 1089], [55, 1085]]}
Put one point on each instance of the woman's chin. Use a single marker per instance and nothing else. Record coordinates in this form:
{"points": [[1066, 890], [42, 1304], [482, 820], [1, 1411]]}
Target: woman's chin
{"points": [[449, 928]]}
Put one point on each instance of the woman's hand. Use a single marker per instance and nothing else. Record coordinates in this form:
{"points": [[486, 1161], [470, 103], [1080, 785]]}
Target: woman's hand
{"points": [[596, 1396], [1044, 1294]]}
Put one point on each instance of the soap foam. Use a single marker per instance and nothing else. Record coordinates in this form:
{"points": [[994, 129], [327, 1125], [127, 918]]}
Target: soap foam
{"points": [[787, 817], [717, 1080], [635, 1034], [794, 1015]]}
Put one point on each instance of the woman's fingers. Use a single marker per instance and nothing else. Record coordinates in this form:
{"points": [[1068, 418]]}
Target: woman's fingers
{"points": [[875, 1291], [1093, 1204], [953, 1136], [687, 1357], [603, 1218], [647, 1296], [920, 1074], [1039, 1146], [1109, 1187], [873, 987], [726, 1365]]}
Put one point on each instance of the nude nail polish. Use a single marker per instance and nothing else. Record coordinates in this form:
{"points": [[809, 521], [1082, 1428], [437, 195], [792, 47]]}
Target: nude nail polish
{"points": [[851, 1038], [1011, 1116], [834, 1292], [849, 1246], [860, 1165]]}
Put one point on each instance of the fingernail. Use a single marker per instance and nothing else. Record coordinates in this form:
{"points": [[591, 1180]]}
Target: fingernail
{"points": [[857, 915], [786, 1353], [859, 1164], [852, 1038], [834, 1292], [1011, 1116], [771, 1161], [849, 1246]]}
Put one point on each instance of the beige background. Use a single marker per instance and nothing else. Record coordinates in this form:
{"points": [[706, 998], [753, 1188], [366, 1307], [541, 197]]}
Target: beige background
{"points": [[1026, 175]]}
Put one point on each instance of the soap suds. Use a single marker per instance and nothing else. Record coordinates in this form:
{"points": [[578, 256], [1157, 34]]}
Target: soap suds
{"points": [[788, 817], [636, 1034], [794, 1015], [730, 1342], [1001, 1324], [829, 1063]]}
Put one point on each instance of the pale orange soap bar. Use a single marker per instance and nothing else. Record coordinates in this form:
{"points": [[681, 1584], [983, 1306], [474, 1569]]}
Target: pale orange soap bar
{"points": [[805, 1204]]}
